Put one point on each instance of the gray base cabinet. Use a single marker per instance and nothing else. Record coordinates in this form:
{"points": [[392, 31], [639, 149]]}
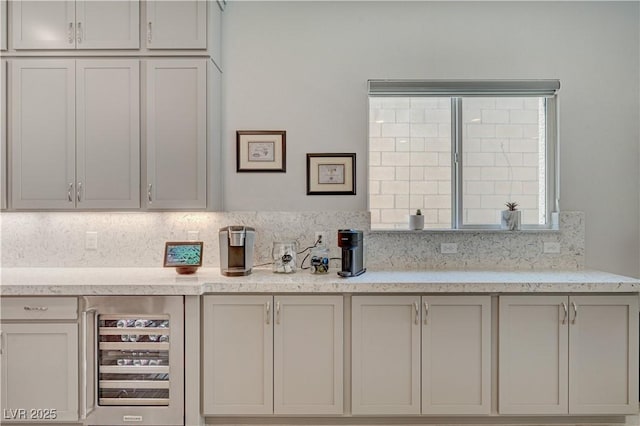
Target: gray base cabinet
{"points": [[568, 355], [265, 355], [421, 355], [39, 359]]}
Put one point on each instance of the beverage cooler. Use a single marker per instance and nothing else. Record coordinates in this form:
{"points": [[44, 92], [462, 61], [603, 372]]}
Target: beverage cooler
{"points": [[133, 360]]}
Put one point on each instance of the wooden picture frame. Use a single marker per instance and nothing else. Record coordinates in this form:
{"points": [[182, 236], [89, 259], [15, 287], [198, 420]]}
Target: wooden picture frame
{"points": [[261, 151], [183, 254], [331, 174]]}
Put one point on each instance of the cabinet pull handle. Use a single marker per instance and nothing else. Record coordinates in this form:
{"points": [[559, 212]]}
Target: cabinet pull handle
{"points": [[150, 33], [149, 193], [566, 312], [417, 308], [78, 192], [268, 312], [79, 33], [277, 312], [36, 308], [426, 312], [69, 191], [1, 342], [85, 365], [70, 33], [575, 312]]}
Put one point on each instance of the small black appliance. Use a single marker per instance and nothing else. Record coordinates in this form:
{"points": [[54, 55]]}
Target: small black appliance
{"points": [[350, 240]]}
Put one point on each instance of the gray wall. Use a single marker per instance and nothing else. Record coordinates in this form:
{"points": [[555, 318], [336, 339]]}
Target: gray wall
{"points": [[303, 67]]}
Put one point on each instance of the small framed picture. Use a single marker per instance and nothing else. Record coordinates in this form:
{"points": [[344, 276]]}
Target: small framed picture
{"points": [[183, 253], [261, 151], [331, 174]]}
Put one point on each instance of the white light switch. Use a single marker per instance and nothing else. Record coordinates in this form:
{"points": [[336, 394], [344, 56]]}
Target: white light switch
{"points": [[91, 240], [193, 235]]}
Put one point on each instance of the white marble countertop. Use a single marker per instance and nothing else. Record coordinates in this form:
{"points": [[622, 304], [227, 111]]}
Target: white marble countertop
{"points": [[165, 281]]}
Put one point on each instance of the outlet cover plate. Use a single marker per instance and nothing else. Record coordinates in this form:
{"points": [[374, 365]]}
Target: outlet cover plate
{"points": [[91, 240], [551, 248], [448, 248]]}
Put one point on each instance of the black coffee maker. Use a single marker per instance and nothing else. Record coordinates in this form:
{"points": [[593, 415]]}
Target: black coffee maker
{"points": [[352, 252]]}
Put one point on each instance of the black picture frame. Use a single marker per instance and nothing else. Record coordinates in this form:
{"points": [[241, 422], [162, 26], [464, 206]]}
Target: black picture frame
{"points": [[261, 151], [331, 174]]}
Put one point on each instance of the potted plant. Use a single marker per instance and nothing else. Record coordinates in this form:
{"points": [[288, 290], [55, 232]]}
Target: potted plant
{"points": [[510, 218], [416, 221]]}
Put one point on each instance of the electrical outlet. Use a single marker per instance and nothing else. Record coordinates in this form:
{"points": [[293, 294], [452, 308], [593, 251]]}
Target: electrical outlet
{"points": [[320, 237], [551, 248], [193, 235], [448, 248], [91, 240]]}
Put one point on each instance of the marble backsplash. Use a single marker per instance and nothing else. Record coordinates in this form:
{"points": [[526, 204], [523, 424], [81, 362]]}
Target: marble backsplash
{"points": [[57, 239]]}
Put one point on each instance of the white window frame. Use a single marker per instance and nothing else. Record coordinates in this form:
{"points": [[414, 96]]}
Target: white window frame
{"points": [[459, 89]]}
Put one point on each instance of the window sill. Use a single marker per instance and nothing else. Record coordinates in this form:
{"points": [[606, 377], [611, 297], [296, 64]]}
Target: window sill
{"points": [[467, 231]]}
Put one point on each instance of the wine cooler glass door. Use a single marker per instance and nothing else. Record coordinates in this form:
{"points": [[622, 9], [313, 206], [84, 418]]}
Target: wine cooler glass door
{"points": [[133, 359]]}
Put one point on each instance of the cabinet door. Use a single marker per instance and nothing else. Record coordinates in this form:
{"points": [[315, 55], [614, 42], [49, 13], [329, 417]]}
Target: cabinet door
{"points": [[176, 134], [456, 355], [108, 133], [43, 24], [237, 355], [108, 24], [385, 355], [43, 133], [603, 361], [176, 24], [3, 24], [3, 134], [40, 370], [533, 355], [308, 340]]}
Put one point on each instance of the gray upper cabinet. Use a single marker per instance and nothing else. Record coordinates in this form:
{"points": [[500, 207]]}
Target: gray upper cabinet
{"points": [[108, 134], [75, 24], [43, 133], [3, 24], [176, 24], [176, 133], [51, 169], [3, 134]]}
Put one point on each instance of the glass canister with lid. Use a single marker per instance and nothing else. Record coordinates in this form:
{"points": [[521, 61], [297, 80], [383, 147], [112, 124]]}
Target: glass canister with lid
{"points": [[319, 260], [284, 257]]}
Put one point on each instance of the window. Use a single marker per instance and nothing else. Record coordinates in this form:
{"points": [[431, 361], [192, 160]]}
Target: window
{"points": [[460, 150]]}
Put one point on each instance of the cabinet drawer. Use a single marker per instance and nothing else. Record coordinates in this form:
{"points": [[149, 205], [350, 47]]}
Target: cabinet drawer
{"points": [[34, 308]]}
